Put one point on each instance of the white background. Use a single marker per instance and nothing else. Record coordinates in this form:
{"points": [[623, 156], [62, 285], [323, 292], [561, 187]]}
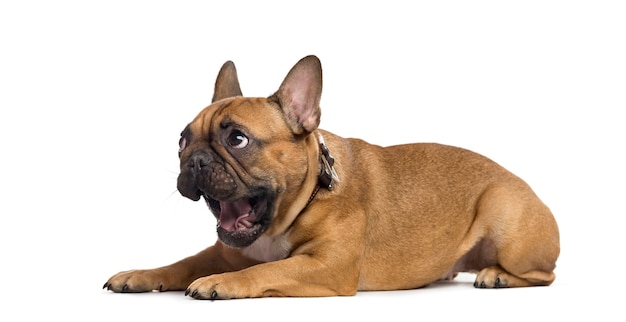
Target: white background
{"points": [[94, 95]]}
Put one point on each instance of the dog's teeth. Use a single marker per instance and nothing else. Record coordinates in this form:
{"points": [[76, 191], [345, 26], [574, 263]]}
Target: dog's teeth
{"points": [[244, 224]]}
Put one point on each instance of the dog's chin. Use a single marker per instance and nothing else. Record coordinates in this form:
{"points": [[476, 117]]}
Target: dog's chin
{"points": [[241, 222]]}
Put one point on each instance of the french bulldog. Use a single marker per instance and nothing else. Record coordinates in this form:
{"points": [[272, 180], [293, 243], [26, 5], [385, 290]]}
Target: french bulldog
{"points": [[303, 212]]}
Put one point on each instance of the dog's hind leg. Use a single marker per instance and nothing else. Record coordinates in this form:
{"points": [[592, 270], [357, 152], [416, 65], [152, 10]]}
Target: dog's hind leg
{"points": [[525, 236]]}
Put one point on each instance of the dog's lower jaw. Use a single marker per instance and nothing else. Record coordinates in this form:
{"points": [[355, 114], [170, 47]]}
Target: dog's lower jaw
{"points": [[240, 238]]}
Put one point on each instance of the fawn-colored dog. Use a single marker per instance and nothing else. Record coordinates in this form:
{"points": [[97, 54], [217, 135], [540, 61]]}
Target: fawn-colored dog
{"points": [[304, 212]]}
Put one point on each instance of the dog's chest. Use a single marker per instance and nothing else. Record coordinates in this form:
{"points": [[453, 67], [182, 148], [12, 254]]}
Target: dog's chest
{"points": [[268, 249]]}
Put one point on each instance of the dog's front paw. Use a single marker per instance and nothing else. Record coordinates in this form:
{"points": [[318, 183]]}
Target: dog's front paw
{"points": [[224, 286], [136, 281]]}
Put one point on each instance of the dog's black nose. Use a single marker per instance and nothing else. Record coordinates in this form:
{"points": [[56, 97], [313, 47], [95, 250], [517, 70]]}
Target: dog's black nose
{"points": [[198, 161]]}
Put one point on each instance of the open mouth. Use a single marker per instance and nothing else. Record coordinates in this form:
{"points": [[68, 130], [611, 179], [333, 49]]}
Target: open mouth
{"points": [[240, 222]]}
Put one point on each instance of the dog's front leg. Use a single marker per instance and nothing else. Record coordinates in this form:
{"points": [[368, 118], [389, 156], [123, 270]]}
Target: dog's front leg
{"points": [[298, 276], [178, 276]]}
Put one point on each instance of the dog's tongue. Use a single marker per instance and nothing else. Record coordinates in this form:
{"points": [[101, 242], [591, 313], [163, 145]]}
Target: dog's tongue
{"points": [[236, 215]]}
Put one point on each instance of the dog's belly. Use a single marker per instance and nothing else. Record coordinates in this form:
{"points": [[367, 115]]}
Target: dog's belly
{"points": [[409, 263]]}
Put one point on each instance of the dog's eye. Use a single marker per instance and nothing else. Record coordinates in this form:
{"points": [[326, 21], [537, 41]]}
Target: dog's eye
{"points": [[182, 144], [237, 140]]}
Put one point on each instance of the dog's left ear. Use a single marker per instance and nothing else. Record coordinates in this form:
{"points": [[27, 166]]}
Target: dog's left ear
{"points": [[227, 82], [299, 95]]}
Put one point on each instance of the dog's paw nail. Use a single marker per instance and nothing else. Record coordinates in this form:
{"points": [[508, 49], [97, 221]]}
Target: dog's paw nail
{"points": [[476, 284], [194, 293], [483, 285], [161, 288], [497, 285], [213, 295], [125, 288], [106, 285], [187, 292]]}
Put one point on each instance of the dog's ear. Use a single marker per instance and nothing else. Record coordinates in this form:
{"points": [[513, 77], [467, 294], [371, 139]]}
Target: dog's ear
{"points": [[227, 83], [299, 95]]}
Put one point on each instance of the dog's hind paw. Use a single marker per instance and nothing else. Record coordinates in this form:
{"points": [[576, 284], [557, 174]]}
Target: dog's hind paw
{"points": [[497, 277], [492, 277]]}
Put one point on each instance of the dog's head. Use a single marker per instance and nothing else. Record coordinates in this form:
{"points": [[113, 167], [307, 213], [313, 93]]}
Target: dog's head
{"points": [[251, 159]]}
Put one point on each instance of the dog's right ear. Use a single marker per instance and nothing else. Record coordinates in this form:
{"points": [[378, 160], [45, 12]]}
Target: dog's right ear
{"points": [[227, 83]]}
